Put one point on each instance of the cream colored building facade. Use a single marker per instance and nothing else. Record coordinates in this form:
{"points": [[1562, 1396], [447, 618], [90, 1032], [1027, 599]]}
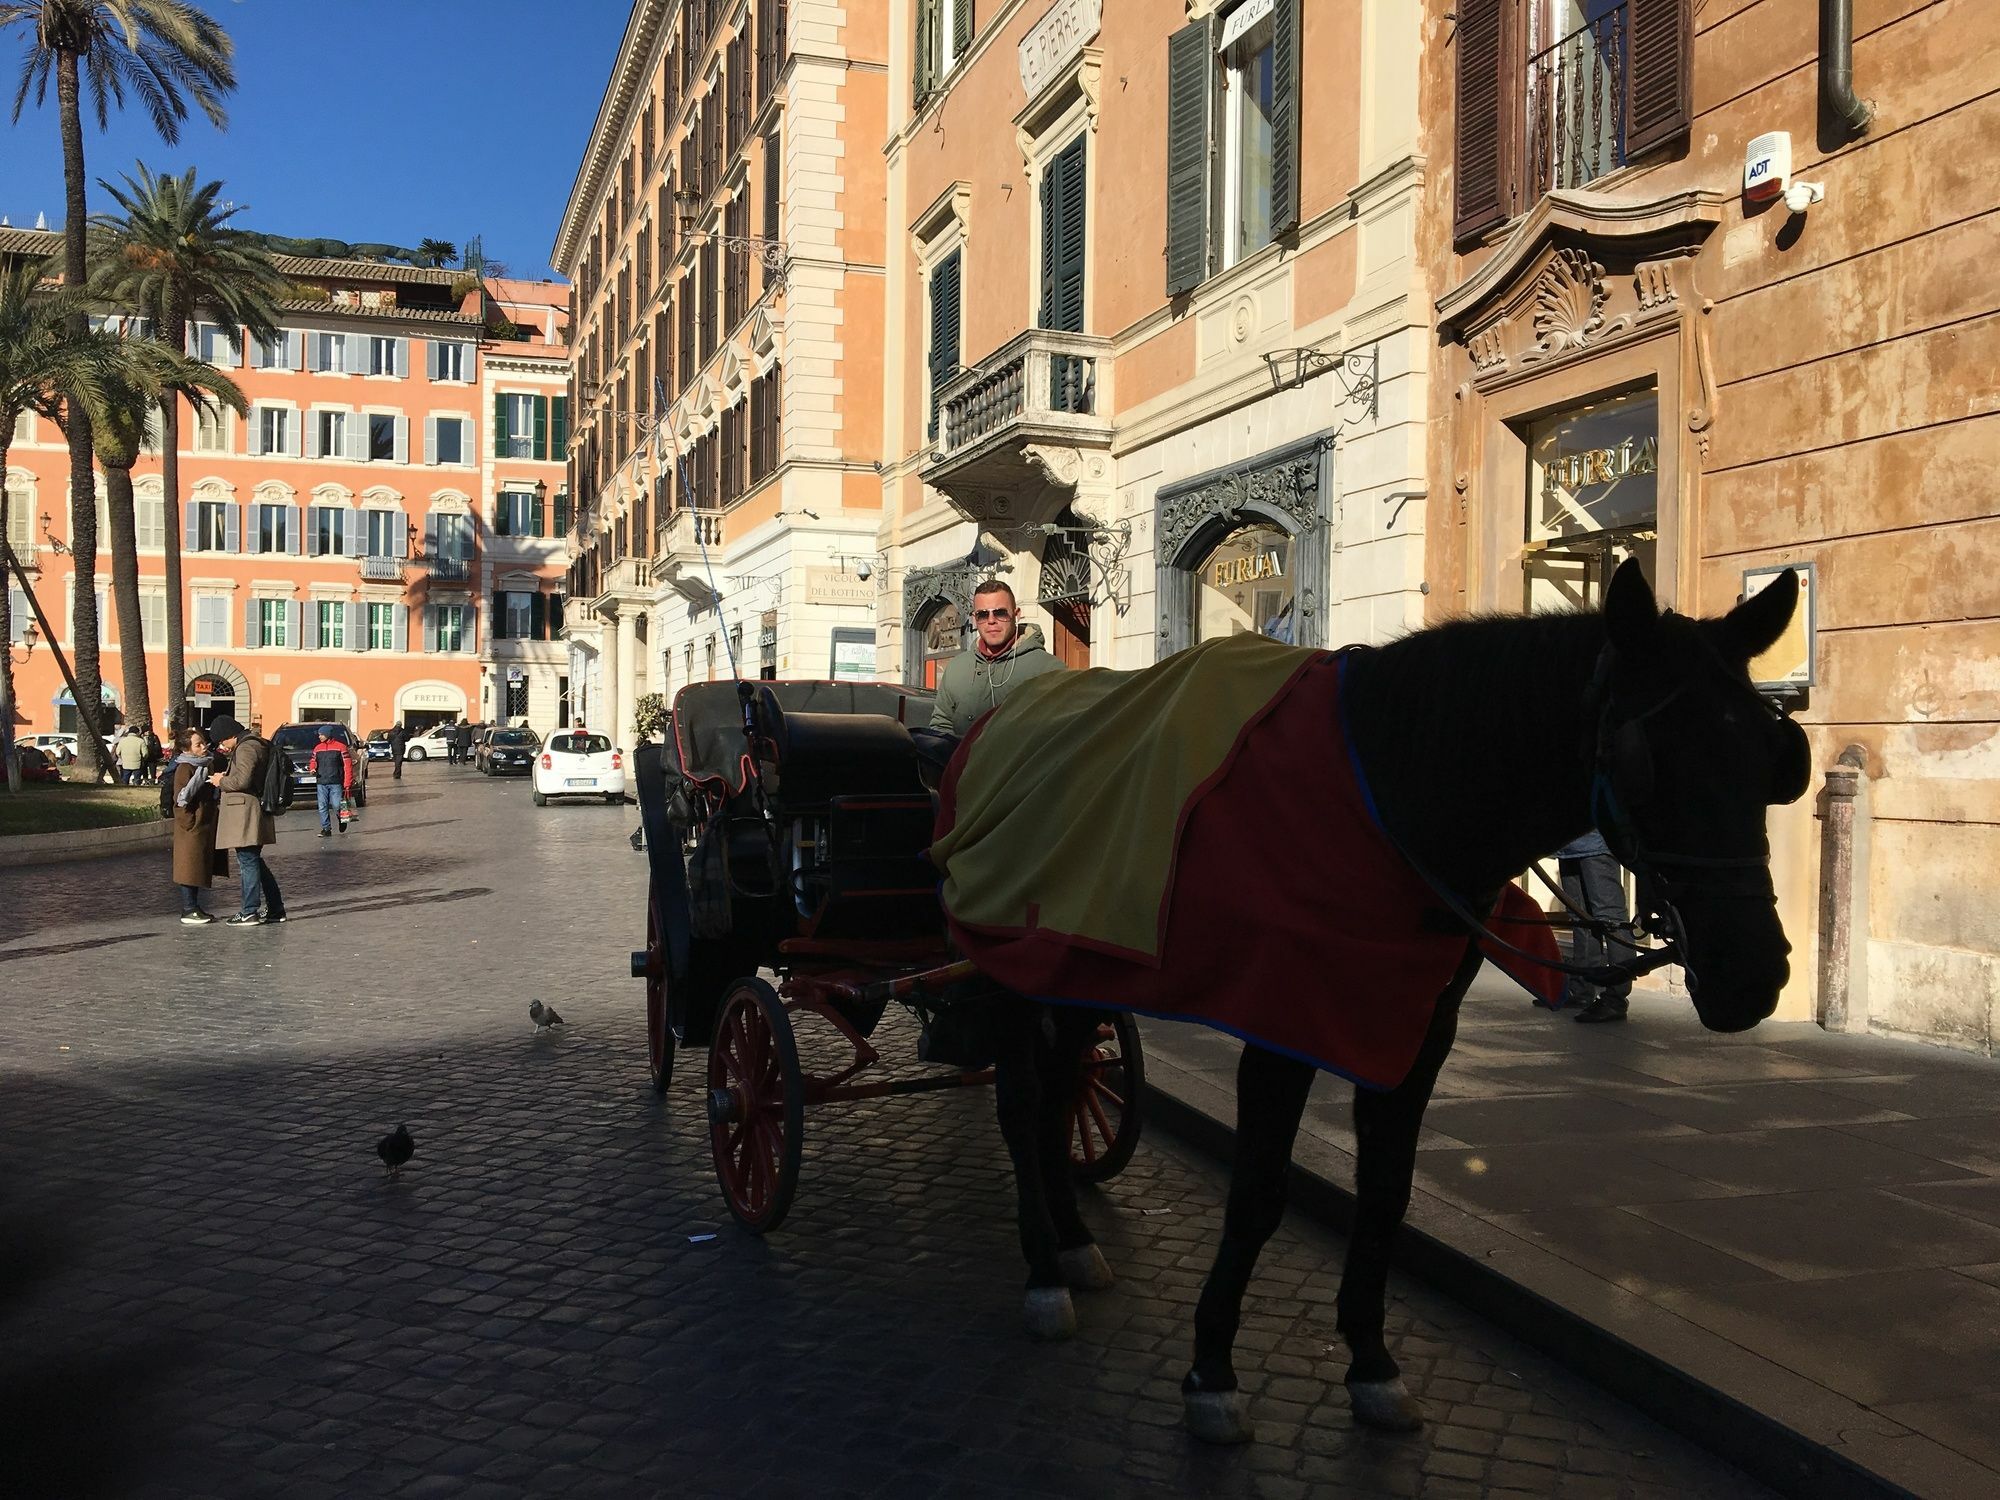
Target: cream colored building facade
{"points": [[1158, 282], [726, 240]]}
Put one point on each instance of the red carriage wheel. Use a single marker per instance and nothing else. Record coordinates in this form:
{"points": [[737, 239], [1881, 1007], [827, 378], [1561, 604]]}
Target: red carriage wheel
{"points": [[659, 1034], [756, 1105], [1104, 1119]]}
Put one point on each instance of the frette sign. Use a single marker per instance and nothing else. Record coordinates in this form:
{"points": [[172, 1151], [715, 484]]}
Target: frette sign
{"points": [[1056, 40]]}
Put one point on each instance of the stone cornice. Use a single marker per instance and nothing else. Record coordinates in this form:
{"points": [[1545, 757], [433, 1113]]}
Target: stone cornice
{"points": [[628, 79]]}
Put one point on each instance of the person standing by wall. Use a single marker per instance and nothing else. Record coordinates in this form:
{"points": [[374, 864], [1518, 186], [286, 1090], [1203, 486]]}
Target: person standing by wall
{"points": [[196, 862], [398, 738], [333, 780], [242, 824], [1593, 883], [1005, 655]]}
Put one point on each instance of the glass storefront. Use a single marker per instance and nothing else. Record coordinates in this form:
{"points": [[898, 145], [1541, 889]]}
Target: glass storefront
{"points": [[1593, 498], [1245, 585]]}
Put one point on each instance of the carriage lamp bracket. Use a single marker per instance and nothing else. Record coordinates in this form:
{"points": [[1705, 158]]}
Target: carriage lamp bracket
{"points": [[1359, 374]]}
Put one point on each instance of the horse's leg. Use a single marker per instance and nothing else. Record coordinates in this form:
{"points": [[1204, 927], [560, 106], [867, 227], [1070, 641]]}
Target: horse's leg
{"points": [[1061, 1057], [1270, 1098], [1386, 1124], [1017, 1092]]}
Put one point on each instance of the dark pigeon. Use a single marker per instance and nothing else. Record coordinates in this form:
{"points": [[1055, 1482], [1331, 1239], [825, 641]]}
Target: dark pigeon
{"points": [[544, 1016], [395, 1148]]}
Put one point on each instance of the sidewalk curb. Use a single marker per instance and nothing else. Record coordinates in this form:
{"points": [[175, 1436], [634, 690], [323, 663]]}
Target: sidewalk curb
{"points": [[81, 843], [1764, 1447]]}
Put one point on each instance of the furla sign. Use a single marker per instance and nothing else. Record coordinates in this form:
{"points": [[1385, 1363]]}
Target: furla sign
{"points": [[1055, 41]]}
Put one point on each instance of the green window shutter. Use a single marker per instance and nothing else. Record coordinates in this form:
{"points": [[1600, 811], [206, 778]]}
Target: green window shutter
{"points": [[928, 52], [499, 426], [1051, 248], [499, 616], [541, 427], [1063, 238], [559, 427], [538, 616], [535, 516], [961, 28], [1284, 117], [947, 299], [1190, 85]]}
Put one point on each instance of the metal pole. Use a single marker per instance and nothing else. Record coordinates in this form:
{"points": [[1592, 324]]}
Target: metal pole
{"points": [[90, 722]]}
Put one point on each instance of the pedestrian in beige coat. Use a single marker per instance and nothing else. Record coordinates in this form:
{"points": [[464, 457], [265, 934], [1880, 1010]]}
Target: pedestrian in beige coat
{"points": [[196, 861], [242, 824]]}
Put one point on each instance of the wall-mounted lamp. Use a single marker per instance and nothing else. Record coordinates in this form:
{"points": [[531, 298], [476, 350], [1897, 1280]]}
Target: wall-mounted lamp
{"points": [[30, 634], [56, 544]]}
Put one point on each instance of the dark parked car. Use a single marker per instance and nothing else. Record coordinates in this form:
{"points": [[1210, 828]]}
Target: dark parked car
{"points": [[506, 752], [378, 744], [37, 765], [298, 740]]}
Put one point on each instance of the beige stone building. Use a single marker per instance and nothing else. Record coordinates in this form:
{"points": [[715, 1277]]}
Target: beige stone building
{"points": [[1156, 337], [726, 241], [1647, 347]]}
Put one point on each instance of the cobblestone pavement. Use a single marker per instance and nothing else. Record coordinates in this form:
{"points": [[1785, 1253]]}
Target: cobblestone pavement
{"points": [[209, 1287]]}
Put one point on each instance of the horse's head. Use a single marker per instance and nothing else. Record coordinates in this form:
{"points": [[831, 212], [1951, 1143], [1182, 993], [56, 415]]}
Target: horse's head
{"points": [[1688, 757]]}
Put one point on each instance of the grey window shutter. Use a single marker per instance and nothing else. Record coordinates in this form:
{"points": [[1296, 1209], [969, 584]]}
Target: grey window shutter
{"points": [[360, 353], [961, 28], [232, 528], [250, 636], [1190, 87], [1479, 183], [357, 435], [468, 619], [312, 531], [191, 528], [294, 433], [260, 355], [401, 626], [430, 440], [1285, 103], [256, 530], [294, 349], [929, 52], [309, 626], [294, 624], [233, 353], [312, 426], [294, 532], [193, 350], [255, 445], [403, 345], [1659, 99], [430, 359], [430, 627], [355, 542], [316, 348], [402, 440], [357, 625], [399, 533], [430, 536]]}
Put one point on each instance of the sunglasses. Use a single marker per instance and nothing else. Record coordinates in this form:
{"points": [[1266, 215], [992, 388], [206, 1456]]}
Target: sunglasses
{"points": [[993, 614]]}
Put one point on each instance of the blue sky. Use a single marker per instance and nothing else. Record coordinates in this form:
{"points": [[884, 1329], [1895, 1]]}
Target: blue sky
{"points": [[388, 120]]}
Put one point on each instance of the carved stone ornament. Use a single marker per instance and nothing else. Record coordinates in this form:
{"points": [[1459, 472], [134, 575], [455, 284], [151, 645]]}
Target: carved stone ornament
{"points": [[1569, 305], [949, 583], [1285, 490], [1488, 347]]}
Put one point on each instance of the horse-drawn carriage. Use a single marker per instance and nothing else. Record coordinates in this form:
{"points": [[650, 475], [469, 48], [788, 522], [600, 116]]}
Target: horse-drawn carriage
{"points": [[786, 825]]}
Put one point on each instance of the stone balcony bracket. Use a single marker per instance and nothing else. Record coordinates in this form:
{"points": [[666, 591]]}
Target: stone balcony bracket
{"points": [[625, 586]]}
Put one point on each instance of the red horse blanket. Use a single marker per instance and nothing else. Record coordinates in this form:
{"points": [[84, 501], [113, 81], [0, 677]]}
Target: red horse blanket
{"points": [[1239, 878]]}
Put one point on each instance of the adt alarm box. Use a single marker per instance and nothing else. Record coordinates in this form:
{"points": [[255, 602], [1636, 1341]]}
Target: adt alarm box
{"points": [[1767, 166]]}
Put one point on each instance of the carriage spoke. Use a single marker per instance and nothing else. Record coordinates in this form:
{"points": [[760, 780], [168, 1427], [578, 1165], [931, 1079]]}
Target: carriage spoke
{"points": [[1097, 1114]]}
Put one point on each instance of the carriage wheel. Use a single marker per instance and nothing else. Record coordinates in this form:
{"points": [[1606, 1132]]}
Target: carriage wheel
{"points": [[1104, 1120], [659, 1035], [756, 1105]]}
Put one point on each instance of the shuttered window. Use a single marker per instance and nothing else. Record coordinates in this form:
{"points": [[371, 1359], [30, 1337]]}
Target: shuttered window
{"points": [[1189, 90], [1285, 102], [1063, 240], [706, 297], [1659, 99], [1482, 197], [947, 349]]}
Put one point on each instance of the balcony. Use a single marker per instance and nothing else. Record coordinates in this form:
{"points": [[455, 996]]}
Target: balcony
{"points": [[624, 583], [383, 569], [687, 534], [448, 569], [1028, 429], [1576, 105]]}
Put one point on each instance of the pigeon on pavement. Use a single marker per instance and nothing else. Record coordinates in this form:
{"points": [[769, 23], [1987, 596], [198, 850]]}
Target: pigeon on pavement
{"points": [[544, 1016], [395, 1148]]}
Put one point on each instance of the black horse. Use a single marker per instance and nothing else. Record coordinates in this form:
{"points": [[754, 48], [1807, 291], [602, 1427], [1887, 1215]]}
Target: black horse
{"points": [[1488, 743]]}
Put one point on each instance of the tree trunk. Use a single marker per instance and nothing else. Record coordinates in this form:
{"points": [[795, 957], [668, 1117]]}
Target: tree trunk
{"points": [[125, 595], [7, 755], [92, 756], [170, 480]]}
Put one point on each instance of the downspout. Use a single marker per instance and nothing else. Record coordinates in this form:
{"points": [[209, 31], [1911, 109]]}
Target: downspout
{"points": [[1836, 66], [1843, 895]]}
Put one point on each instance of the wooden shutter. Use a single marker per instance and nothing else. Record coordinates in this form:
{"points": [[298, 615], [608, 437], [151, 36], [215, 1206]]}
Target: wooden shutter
{"points": [[929, 54], [773, 184], [559, 426], [1063, 239], [538, 616], [541, 427], [1481, 197], [1190, 86], [961, 29], [1659, 91], [499, 426], [1285, 104], [947, 302]]}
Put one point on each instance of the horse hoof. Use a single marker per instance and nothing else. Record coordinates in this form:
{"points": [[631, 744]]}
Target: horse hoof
{"points": [[1219, 1416], [1386, 1404], [1084, 1269], [1049, 1315]]}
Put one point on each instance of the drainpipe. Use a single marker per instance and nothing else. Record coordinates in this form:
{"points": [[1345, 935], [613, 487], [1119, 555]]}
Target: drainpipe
{"points": [[1836, 66], [1843, 896]]}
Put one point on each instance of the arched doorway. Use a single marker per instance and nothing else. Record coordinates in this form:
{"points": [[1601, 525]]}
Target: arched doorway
{"points": [[68, 721], [420, 705], [941, 632], [1065, 592], [216, 688]]}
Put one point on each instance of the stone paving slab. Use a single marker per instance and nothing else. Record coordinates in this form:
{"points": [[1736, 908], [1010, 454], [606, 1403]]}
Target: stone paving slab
{"points": [[1800, 1224], [209, 1287]]}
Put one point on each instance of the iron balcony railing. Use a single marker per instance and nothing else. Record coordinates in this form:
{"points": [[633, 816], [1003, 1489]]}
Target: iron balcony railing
{"points": [[1576, 91], [383, 569], [449, 569], [1040, 378]]}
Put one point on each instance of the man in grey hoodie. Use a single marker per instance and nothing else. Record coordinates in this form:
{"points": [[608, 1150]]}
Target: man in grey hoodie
{"points": [[1005, 653]]}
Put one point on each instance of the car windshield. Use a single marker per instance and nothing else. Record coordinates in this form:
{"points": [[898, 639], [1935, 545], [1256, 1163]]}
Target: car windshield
{"points": [[580, 744], [514, 737]]}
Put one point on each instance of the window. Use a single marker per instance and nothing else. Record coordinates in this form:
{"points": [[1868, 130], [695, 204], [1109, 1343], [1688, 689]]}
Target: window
{"points": [[449, 360], [275, 430], [454, 536], [285, 352], [520, 426], [1593, 498], [208, 526], [384, 438], [562, 513], [562, 703], [1063, 239], [944, 36], [271, 615], [386, 356], [517, 513], [332, 620], [153, 619], [1232, 137], [326, 434], [326, 351], [149, 513], [211, 431], [946, 348], [329, 530], [387, 533], [213, 346], [518, 613], [381, 627], [450, 627], [211, 620], [1244, 586], [448, 440], [274, 528], [20, 616]]}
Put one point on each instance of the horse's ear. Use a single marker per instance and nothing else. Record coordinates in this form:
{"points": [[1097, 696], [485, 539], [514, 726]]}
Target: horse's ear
{"points": [[1754, 626], [1631, 617]]}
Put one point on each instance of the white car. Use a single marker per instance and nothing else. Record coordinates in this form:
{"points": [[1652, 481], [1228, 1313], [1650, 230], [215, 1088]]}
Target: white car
{"points": [[61, 748], [578, 765], [435, 741]]}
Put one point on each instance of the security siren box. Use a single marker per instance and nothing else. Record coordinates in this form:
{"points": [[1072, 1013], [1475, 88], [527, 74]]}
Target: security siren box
{"points": [[1767, 166]]}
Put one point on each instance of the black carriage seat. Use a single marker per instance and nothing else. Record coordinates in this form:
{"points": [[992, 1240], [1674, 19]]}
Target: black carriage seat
{"points": [[822, 756]]}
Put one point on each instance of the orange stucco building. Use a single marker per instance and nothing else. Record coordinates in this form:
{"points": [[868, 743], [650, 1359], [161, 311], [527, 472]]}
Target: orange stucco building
{"points": [[374, 542]]}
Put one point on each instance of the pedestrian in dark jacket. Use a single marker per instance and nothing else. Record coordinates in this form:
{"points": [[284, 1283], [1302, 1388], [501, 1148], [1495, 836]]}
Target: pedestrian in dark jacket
{"points": [[398, 738], [242, 824], [196, 861], [1594, 883], [154, 753], [333, 780]]}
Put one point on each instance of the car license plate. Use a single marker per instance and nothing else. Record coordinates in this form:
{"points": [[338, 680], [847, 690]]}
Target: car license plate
{"points": [[581, 781]]}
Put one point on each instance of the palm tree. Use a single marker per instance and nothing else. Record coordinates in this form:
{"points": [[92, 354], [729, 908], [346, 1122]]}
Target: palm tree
{"points": [[147, 375], [43, 367], [166, 52], [436, 253], [169, 252]]}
